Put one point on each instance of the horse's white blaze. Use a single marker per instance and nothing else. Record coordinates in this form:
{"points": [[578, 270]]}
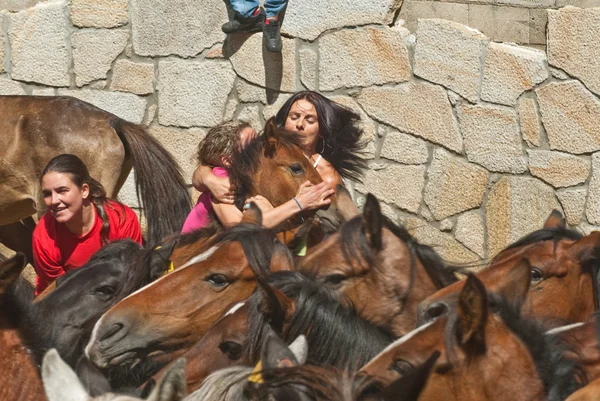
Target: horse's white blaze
{"points": [[235, 308], [405, 337], [563, 328], [196, 259]]}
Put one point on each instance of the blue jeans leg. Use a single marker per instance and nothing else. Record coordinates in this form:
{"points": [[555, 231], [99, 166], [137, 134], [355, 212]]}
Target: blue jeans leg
{"points": [[244, 7], [274, 7]]}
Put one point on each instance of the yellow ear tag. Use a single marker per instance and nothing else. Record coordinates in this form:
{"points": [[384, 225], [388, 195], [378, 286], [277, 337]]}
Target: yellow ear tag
{"points": [[256, 376], [171, 265]]}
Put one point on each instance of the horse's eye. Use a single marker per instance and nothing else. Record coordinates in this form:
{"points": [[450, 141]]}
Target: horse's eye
{"points": [[536, 274], [402, 367], [335, 279], [296, 169], [105, 291], [218, 281], [231, 349]]}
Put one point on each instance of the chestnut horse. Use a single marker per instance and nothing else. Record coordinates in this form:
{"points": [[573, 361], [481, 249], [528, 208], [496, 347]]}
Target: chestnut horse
{"points": [[487, 352], [563, 275], [162, 320], [19, 377], [34, 129], [377, 265]]}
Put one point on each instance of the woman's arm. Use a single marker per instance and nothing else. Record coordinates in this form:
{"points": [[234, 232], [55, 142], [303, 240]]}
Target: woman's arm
{"points": [[204, 180]]}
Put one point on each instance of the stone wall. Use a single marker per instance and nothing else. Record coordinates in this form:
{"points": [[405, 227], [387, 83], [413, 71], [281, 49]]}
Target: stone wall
{"points": [[472, 143]]}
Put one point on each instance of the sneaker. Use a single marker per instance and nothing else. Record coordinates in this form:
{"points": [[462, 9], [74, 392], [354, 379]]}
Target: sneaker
{"points": [[253, 23], [271, 35]]}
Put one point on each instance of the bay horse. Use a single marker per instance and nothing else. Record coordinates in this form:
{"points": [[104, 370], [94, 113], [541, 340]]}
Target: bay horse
{"points": [[488, 351], [65, 318], [563, 274], [34, 129], [19, 376], [378, 265], [161, 321]]}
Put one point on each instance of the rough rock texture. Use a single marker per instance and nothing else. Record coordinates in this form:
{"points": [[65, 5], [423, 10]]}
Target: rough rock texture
{"points": [[492, 139], [39, 47], [531, 128], [399, 185], [404, 148], [454, 185], [8, 87], [94, 51], [470, 231], [193, 93], [249, 93], [363, 57], [308, 68], [133, 77], [450, 54], [272, 109], [572, 201], [511, 70], [308, 19], [570, 114], [2, 44], [515, 207], [271, 70], [558, 169], [251, 114], [449, 249], [592, 210], [417, 108], [180, 27], [125, 105], [44, 92], [183, 144], [574, 43], [98, 13]]}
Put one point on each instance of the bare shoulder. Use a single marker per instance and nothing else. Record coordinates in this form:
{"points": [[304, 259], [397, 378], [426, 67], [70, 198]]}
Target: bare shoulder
{"points": [[328, 173]]}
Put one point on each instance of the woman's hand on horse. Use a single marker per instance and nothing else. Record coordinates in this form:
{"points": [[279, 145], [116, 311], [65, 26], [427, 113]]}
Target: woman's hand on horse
{"points": [[312, 196], [263, 204], [221, 190]]}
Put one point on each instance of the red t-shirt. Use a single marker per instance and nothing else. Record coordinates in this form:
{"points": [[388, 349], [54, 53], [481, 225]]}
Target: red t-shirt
{"points": [[56, 250]]}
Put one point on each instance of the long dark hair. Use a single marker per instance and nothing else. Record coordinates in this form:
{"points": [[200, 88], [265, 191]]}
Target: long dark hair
{"points": [[79, 174], [339, 134]]}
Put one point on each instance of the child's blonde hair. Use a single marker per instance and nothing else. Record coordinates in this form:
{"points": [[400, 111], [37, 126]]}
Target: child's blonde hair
{"points": [[220, 141]]}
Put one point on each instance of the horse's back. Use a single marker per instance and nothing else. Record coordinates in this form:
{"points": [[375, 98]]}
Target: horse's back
{"points": [[34, 129]]}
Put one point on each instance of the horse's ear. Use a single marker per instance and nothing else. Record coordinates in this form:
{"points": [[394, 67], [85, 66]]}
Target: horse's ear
{"points": [[172, 386], [472, 315], [344, 204], [373, 221], [281, 260], [411, 384], [60, 382], [587, 248], [160, 260], [276, 354], [10, 270], [555, 220], [91, 378], [275, 305], [514, 286], [271, 134], [252, 214]]}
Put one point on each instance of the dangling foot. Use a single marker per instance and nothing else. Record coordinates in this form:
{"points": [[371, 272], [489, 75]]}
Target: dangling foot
{"points": [[271, 35], [254, 23]]}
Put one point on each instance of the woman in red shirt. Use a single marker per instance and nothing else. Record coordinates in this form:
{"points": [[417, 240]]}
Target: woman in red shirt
{"points": [[79, 221]]}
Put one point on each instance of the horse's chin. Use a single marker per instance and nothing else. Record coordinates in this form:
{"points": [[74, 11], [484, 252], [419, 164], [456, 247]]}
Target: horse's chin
{"points": [[122, 359]]}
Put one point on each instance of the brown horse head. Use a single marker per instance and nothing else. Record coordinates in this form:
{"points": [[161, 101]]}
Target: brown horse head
{"points": [[562, 272], [487, 351], [167, 317], [377, 265]]}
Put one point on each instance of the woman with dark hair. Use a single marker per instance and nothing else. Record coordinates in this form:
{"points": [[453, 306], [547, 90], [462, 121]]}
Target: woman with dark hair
{"points": [[331, 140], [79, 221]]}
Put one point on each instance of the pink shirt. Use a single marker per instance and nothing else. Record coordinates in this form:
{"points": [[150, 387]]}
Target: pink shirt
{"points": [[200, 215]]}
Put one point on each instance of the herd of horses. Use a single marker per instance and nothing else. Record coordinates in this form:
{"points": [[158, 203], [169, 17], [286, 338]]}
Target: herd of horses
{"points": [[368, 313]]}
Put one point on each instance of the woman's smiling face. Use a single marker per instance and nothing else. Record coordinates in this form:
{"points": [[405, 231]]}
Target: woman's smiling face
{"points": [[62, 197], [303, 119]]}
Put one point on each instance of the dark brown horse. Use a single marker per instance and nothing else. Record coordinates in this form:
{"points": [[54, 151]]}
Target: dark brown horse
{"points": [[165, 318], [19, 377], [563, 271], [35, 129], [487, 352], [377, 265]]}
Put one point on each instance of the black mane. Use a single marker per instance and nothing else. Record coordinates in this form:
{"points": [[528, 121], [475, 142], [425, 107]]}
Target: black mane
{"points": [[546, 234], [336, 335]]}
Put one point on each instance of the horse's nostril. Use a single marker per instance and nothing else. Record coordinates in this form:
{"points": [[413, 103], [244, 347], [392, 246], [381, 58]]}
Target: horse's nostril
{"points": [[436, 310], [114, 329]]}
